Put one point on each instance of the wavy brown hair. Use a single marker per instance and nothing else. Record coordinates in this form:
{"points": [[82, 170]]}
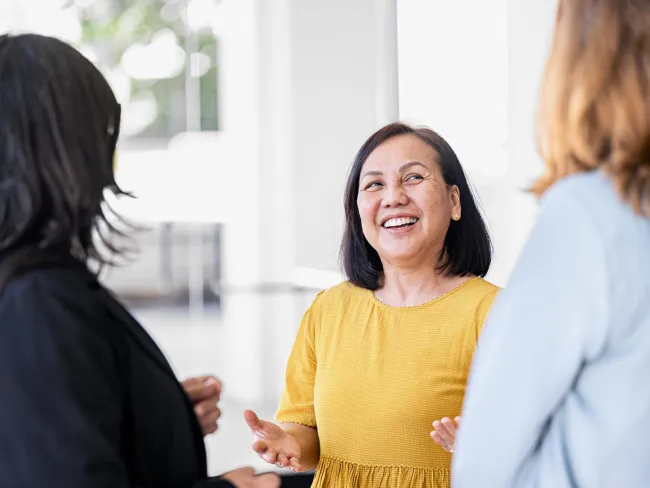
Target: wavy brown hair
{"points": [[594, 110]]}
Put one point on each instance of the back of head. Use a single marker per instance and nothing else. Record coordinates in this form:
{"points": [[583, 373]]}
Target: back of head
{"points": [[59, 123], [595, 98]]}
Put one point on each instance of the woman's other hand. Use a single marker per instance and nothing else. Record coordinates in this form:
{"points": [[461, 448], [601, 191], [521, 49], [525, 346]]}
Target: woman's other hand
{"points": [[204, 393], [273, 444], [444, 433]]}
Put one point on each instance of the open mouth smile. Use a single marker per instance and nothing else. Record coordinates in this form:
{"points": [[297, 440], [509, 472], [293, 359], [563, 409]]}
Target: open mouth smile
{"points": [[397, 223]]}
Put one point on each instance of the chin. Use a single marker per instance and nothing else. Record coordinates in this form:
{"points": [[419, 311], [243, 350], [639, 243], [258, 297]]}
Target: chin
{"points": [[398, 256]]}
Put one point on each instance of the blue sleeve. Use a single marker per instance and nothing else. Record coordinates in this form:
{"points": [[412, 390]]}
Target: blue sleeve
{"points": [[538, 333]]}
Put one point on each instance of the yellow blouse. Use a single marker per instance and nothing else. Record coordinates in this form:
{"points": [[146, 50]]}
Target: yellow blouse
{"points": [[372, 378]]}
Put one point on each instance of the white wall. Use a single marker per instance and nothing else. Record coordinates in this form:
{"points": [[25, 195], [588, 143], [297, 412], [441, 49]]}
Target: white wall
{"points": [[530, 29], [454, 76], [333, 113], [470, 69], [300, 96]]}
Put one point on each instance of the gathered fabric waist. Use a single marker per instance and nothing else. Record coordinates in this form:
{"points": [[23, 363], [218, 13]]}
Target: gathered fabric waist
{"points": [[338, 473]]}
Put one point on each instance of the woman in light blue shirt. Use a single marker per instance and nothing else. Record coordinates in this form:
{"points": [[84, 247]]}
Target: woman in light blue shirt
{"points": [[559, 394]]}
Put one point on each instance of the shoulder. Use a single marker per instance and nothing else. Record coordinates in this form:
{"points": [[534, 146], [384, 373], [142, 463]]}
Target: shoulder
{"points": [[340, 296], [43, 297], [482, 287], [60, 280], [481, 291], [582, 218], [480, 295], [581, 185], [590, 197], [331, 306]]}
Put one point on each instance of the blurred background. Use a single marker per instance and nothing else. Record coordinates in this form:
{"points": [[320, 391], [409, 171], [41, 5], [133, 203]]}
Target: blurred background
{"points": [[240, 119]]}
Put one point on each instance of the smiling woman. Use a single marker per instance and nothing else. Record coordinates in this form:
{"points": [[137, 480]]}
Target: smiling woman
{"points": [[381, 356], [403, 169]]}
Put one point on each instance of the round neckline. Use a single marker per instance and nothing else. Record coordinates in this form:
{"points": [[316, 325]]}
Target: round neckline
{"points": [[424, 304]]}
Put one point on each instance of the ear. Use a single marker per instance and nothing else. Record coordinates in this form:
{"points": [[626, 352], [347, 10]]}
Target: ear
{"points": [[454, 195]]}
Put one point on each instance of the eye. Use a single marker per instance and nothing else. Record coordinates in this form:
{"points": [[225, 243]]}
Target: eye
{"points": [[374, 185], [413, 177]]}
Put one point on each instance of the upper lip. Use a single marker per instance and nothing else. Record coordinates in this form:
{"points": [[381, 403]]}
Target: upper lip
{"points": [[397, 216]]}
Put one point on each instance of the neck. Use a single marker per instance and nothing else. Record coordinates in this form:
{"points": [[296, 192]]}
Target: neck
{"points": [[405, 287]]}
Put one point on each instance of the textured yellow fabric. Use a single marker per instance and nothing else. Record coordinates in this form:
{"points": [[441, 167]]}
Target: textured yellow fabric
{"points": [[372, 378]]}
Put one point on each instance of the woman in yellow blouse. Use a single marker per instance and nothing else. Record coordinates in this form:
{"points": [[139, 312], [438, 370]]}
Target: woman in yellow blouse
{"points": [[379, 357]]}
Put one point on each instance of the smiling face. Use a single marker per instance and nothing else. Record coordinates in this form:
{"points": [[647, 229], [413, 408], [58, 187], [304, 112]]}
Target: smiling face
{"points": [[404, 203]]}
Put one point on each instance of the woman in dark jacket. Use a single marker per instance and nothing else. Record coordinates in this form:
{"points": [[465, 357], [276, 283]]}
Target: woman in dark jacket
{"points": [[88, 400]]}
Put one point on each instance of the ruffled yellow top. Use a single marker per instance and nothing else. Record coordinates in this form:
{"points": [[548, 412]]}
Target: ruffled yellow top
{"points": [[372, 378]]}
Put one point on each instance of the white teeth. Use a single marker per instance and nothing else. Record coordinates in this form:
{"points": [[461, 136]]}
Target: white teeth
{"points": [[400, 221]]}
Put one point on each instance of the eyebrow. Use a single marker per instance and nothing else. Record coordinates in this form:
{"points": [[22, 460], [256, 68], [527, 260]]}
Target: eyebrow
{"points": [[404, 167]]}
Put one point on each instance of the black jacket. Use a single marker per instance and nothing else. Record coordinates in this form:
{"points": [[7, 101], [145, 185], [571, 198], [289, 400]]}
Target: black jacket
{"points": [[87, 400]]}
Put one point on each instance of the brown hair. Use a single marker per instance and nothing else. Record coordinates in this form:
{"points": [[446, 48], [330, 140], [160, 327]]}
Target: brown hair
{"points": [[594, 107]]}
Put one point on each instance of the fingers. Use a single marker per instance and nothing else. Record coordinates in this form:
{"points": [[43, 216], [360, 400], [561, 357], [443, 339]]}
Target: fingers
{"points": [[202, 388], [267, 453], [441, 428], [207, 409], [282, 461], [246, 471], [240, 478], [290, 462], [260, 447], [444, 433], [253, 421], [209, 421], [270, 456], [439, 440], [245, 478], [294, 464], [208, 413], [213, 384], [268, 480], [450, 425]]}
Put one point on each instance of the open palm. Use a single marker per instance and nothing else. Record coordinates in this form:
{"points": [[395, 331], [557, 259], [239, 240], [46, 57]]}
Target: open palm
{"points": [[272, 443]]}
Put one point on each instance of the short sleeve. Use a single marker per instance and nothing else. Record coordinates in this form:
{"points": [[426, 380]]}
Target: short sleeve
{"points": [[297, 401], [483, 309]]}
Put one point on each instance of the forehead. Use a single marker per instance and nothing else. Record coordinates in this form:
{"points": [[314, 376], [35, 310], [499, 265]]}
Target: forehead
{"points": [[399, 150]]}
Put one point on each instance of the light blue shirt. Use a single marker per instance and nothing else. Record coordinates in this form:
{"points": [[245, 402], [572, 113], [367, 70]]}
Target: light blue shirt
{"points": [[559, 393]]}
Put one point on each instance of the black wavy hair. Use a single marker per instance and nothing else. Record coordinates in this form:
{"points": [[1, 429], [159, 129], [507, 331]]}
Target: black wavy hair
{"points": [[59, 125]]}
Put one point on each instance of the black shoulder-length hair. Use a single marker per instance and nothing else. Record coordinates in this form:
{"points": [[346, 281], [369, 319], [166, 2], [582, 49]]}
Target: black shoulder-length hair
{"points": [[467, 249], [59, 124]]}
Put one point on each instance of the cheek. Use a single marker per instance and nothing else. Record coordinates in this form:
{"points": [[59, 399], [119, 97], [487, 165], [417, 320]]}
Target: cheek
{"points": [[367, 210], [437, 210], [437, 204]]}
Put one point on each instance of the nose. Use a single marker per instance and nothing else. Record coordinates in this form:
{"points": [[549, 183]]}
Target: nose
{"points": [[394, 196]]}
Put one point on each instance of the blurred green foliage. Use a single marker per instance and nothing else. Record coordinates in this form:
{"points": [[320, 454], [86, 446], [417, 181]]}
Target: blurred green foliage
{"points": [[110, 27]]}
